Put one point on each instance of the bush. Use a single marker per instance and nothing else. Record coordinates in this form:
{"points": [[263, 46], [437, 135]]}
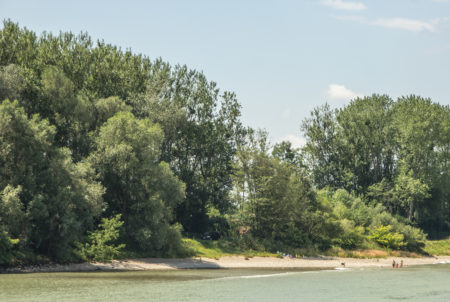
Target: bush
{"points": [[101, 245], [352, 237], [414, 238], [7, 253], [384, 236], [173, 245]]}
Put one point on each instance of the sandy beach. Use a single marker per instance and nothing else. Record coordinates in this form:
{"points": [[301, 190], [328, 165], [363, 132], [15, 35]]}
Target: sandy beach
{"points": [[230, 262]]}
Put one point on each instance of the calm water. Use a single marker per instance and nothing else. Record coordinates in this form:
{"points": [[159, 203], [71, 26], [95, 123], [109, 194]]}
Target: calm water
{"points": [[424, 283]]}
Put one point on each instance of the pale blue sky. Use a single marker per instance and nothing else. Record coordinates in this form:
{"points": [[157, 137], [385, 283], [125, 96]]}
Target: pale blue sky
{"points": [[282, 58]]}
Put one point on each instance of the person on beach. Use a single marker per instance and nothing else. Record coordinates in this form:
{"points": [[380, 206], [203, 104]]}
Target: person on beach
{"points": [[401, 263], [393, 263]]}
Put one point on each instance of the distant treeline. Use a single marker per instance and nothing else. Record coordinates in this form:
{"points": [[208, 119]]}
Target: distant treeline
{"points": [[101, 148]]}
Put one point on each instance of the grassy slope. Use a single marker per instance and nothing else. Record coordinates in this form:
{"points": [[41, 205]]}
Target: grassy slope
{"points": [[438, 247], [220, 248]]}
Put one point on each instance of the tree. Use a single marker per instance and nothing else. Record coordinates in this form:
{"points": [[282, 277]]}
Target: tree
{"points": [[69, 112], [48, 201], [101, 245], [7, 252], [423, 139], [287, 154], [17, 46], [201, 129], [138, 186], [323, 148], [368, 148], [383, 236], [11, 82], [277, 199], [107, 108], [12, 215]]}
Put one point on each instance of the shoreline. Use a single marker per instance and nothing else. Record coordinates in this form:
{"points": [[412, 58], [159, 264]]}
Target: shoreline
{"points": [[228, 262]]}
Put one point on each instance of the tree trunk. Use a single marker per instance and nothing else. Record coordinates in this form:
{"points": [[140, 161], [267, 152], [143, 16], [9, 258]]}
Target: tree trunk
{"points": [[411, 211]]}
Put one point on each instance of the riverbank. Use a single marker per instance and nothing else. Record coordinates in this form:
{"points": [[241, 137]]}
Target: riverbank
{"points": [[229, 262]]}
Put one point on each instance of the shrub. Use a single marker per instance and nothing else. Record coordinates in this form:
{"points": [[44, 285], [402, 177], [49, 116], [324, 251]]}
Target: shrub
{"points": [[384, 236], [101, 245], [414, 238], [7, 252], [173, 246], [352, 237]]}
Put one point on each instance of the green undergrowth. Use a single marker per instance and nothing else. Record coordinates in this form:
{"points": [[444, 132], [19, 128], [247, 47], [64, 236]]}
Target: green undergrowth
{"points": [[370, 253], [438, 247], [219, 248], [223, 247]]}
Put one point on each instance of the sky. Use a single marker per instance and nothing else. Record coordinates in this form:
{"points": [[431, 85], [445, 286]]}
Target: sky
{"points": [[281, 58]]}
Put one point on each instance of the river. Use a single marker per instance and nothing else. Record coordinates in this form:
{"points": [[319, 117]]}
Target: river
{"points": [[420, 283]]}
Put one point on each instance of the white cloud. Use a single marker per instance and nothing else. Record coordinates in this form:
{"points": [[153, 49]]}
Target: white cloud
{"points": [[443, 23], [296, 141], [340, 92], [397, 23], [344, 5], [405, 24]]}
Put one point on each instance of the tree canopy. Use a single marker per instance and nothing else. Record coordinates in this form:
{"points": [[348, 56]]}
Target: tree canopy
{"points": [[102, 148]]}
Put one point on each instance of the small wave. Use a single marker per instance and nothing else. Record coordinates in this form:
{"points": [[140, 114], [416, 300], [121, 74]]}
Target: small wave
{"points": [[341, 268], [280, 274], [258, 276]]}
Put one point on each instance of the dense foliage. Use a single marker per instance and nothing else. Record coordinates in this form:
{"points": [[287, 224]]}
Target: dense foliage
{"points": [[101, 244], [395, 154], [102, 148]]}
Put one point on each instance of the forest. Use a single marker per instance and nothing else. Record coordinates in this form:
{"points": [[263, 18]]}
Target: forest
{"points": [[105, 153]]}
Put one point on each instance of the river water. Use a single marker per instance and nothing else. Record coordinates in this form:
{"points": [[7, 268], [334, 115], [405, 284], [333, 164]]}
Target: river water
{"points": [[420, 283]]}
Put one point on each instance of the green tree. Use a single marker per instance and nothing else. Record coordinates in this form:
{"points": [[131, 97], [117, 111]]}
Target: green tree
{"points": [[17, 46], [12, 215], [107, 108], [69, 112], [50, 201], [423, 139], [278, 201], [286, 153], [384, 236], [11, 82], [101, 242], [7, 252], [323, 148], [139, 187], [201, 129], [366, 133]]}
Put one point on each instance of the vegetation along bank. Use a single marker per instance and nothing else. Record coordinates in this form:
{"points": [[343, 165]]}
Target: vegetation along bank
{"points": [[108, 154]]}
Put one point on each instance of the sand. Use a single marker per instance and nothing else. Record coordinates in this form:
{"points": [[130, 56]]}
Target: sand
{"points": [[230, 262]]}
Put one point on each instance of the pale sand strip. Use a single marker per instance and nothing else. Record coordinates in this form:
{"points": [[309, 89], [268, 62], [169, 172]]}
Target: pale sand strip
{"points": [[231, 262]]}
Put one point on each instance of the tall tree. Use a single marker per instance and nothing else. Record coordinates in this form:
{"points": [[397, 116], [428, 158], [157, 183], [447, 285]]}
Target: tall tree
{"points": [[323, 148], [201, 128], [277, 199], [423, 141], [138, 186], [47, 201], [368, 148]]}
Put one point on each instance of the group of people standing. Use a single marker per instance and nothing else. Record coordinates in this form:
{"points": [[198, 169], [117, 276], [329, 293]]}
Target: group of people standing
{"points": [[395, 264]]}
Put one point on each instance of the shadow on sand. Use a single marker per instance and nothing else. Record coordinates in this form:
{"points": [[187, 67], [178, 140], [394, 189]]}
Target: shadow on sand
{"points": [[118, 265], [185, 263]]}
